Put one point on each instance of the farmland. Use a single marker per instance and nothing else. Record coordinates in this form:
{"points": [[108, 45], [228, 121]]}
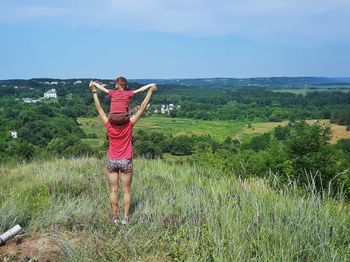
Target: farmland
{"points": [[217, 129]]}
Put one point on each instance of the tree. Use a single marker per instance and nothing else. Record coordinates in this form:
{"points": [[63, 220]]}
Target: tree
{"points": [[78, 149], [148, 149], [261, 142], [344, 145], [182, 145]]}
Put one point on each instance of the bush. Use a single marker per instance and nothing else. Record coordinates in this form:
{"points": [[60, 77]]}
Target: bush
{"points": [[78, 149], [344, 144], [91, 135], [147, 149]]}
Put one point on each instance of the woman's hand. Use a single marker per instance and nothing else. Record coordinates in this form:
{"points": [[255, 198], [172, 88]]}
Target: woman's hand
{"points": [[153, 88], [92, 85]]}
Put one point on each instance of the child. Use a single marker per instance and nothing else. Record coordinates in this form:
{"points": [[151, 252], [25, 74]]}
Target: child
{"points": [[119, 109]]}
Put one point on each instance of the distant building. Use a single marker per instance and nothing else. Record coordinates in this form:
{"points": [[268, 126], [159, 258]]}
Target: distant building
{"points": [[134, 110], [50, 94], [51, 83], [29, 100], [14, 134], [164, 110], [77, 82]]}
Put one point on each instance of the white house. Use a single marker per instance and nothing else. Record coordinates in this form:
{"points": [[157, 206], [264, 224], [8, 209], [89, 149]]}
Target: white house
{"points": [[165, 110], [29, 100], [77, 82], [50, 94], [14, 134]]}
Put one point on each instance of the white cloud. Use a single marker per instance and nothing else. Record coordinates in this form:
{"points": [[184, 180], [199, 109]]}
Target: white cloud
{"points": [[304, 21]]}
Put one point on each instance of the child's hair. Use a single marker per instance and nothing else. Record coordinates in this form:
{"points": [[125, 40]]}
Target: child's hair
{"points": [[121, 80]]}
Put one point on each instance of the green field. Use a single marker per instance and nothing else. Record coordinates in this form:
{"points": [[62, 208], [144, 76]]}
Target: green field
{"points": [[303, 91], [175, 126], [181, 126], [179, 213]]}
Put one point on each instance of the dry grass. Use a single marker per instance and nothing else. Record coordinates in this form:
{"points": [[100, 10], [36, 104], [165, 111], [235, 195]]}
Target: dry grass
{"points": [[339, 132], [179, 213], [260, 128]]}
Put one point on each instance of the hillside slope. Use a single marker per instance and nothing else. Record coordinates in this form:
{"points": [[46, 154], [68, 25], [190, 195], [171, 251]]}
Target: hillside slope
{"points": [[179, 213]]}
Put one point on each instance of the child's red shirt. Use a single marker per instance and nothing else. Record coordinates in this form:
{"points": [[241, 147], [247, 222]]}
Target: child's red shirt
{"points": [[120, 100]]}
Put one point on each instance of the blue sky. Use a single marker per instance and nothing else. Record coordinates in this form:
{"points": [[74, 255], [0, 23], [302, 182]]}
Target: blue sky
{"points": [[174, 39]]}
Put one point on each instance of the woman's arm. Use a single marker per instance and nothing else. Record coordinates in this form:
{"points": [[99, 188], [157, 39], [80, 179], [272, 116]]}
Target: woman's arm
{"points": [[101, 87], [143, 88], [99, 108], [144, 104]]}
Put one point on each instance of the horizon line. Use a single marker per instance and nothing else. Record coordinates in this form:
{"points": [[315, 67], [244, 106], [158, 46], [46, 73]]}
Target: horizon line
{"points": [[174, 78]]}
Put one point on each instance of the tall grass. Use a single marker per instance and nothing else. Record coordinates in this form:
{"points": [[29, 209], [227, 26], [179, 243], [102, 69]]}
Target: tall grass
{"points": [[179, 213]]}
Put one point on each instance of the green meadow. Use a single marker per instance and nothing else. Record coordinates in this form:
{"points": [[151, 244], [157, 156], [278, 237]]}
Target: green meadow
{"points": [[219, 129], [175, 126]]}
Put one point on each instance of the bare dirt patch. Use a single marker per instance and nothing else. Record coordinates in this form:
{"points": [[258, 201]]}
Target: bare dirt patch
{"points": [[32, 248]]}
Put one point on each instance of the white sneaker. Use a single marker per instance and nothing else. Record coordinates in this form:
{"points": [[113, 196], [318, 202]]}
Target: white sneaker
{"points": [[114, 219], [125, 221]]}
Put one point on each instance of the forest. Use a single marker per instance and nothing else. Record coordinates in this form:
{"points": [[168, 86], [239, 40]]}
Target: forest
{"points": [[207, 103]]}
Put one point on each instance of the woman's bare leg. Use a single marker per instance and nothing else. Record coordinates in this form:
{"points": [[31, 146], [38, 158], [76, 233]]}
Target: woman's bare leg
{"points": [[126, 179], [113, 197]]}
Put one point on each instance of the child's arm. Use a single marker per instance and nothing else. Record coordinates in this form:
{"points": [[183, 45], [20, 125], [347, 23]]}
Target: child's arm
{"points": [[143, 88], [101, 87]]}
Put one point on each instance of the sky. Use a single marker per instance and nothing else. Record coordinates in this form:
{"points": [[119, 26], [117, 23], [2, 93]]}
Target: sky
{"points": [[174, 39]]}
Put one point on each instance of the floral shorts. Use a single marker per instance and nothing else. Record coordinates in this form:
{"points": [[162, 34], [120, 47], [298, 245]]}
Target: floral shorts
{"points": [[122, 165]]}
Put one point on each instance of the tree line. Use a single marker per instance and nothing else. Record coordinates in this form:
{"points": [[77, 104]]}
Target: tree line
{"points": [[297, 152], [207, 103]]}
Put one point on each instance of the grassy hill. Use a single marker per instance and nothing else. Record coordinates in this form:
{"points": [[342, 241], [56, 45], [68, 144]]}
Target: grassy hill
{"points": [[179, 213]]}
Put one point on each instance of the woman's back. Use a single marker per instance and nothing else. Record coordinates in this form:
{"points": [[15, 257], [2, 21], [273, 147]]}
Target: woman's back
{"points": [[120, 140]]}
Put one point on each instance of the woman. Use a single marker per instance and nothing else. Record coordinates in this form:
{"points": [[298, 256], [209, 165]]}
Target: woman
{"points": [[120, 154]]}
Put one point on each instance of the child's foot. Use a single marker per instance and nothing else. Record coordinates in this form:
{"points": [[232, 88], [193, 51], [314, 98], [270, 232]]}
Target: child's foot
{"points": [[125, 221]]}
